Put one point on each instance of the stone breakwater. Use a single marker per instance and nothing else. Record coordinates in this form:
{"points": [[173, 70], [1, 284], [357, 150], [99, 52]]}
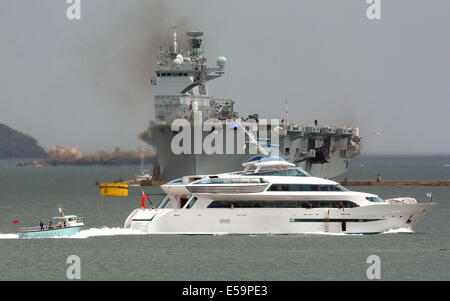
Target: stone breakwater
{"points": [[63, 155], [394, 183]]}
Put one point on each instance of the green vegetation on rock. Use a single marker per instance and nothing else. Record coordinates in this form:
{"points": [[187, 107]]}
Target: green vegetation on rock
{"points": [[14, 144]]}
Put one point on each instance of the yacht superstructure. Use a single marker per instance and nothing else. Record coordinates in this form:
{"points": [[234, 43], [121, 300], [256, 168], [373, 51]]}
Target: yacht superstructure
{"points": [[271, 196]]}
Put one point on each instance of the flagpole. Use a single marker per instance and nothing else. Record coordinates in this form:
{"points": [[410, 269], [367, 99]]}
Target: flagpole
{"points": [[153, 206]]}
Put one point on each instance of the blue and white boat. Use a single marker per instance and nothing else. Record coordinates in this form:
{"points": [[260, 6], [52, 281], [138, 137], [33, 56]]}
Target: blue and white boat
{"points": [[66, 225]]}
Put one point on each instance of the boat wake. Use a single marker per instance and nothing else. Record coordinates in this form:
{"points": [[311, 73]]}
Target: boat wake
{"points": [[9, 236], [105, 231], [92, 232], [399, 230]]}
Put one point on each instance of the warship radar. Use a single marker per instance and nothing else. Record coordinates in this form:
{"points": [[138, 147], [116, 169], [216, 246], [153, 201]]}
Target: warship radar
{"points": [[181, 94]]}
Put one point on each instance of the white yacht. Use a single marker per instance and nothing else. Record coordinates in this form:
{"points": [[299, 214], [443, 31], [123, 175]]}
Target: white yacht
{"points": [[271, 196]]}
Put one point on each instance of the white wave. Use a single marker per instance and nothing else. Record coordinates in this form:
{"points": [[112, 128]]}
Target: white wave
{"points": [[105, 231], [446, 165], [9, 236], [92, 232], [399, 230]]}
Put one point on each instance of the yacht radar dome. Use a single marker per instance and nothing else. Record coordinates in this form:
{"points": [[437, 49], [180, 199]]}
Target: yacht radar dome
{"points": [[177, 62]]}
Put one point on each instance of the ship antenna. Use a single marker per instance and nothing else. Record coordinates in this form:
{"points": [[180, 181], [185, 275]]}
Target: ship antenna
{"points": [[287, 110], [175, 45]]}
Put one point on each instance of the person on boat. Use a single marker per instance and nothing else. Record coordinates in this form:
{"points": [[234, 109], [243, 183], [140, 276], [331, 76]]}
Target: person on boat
{"points": [[42, 225], [50, 225]]}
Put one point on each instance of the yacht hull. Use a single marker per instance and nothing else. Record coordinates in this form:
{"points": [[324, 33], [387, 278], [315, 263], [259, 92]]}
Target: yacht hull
{"points": [[361, 220]]}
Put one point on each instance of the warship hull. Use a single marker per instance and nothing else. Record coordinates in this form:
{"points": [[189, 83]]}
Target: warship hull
{"points": [[339, 150]]}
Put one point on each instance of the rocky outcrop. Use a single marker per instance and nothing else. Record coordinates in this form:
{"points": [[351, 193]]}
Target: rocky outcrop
{"points": [[65, 155], [15, 144]]}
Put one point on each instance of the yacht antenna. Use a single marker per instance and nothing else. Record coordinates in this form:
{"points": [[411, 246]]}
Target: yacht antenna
{"points": [[61, 210], [253, 140]]}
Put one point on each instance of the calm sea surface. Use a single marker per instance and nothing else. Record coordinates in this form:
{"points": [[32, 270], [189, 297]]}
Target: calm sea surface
{"points": [[109, 252]]}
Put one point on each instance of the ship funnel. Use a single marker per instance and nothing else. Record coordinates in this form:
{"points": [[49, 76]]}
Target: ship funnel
{"points": [[195, 41]]}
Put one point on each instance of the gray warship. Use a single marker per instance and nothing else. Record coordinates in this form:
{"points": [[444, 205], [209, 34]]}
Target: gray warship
{"points": [[181, 93]]}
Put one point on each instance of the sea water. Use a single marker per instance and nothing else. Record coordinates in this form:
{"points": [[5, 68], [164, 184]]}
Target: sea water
{"points": [[109, 252]]}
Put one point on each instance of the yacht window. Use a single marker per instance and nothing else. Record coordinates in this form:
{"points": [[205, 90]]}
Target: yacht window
{"points": [[192, 202], [284, 172], [295, 187], [298, 187], [375, 199], [289, 204], [177, 181], [282, 204], [208, 181], [230, 181], [164, 202], [340, 188]]}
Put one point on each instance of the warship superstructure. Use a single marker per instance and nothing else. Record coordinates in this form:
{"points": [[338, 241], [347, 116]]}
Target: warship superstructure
{"points": [[181, 93]]}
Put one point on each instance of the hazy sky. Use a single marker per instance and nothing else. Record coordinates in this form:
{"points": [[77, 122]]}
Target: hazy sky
{"points": [[86, 83]]}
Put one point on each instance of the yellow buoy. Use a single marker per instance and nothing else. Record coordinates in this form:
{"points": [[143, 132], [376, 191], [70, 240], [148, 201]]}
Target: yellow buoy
{"points": [[113, 189]]}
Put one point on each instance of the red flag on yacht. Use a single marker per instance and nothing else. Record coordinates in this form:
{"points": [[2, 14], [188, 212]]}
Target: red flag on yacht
{"points": [[143, 199], [16, 221]]}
